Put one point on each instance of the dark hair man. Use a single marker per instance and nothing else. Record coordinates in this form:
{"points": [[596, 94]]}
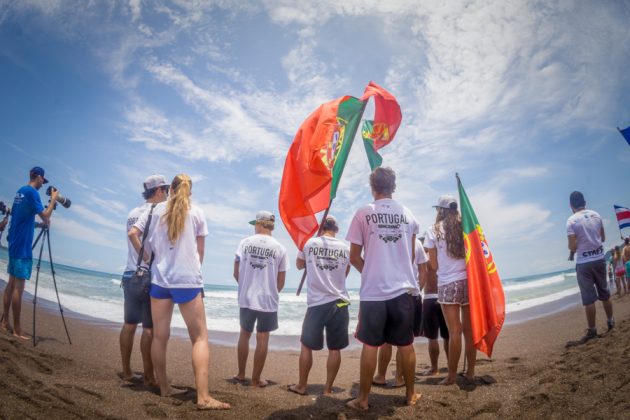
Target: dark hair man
{"points": [[139, 311], [327, 264], [260, 266], [26, 205], [585, 233], [384, 231]]}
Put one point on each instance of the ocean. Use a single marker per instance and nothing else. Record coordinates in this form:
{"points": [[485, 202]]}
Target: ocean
{"points": [[97, 295]]}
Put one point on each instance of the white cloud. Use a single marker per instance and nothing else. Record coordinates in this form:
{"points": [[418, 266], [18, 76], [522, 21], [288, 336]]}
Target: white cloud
{"points": [[84, 232], [93, 217]]}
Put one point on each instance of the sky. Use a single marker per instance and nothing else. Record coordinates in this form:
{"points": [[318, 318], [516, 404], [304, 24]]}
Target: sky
{"points": [[521, 98]]}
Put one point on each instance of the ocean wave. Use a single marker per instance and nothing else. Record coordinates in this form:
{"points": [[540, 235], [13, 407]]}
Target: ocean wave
{"points": [[535, 284]]}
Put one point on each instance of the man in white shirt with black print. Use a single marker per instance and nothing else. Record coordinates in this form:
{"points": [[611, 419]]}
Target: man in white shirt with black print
{"points": [[327, 263], [585, 234], [139, 311], [260, 266], [384, 231]]}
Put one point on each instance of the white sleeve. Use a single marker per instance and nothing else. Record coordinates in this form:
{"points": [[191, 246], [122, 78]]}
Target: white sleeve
{"points": [[142, 220], [283, 265], [238, 255], [570, 228], [201, 225], [355, 235], [429, 239]]}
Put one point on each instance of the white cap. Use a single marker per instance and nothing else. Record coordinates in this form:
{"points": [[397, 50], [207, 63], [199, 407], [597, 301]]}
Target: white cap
{"points": [[155, 181], [445, 201], [263, 216]]}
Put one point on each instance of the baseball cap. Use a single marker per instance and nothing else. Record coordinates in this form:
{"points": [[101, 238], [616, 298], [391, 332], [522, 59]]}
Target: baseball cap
{"points": [[263, 216], [445, 201], [155, 181], [39, 171]]}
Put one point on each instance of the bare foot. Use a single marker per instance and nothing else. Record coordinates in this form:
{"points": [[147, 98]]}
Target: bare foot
{"points": [[5, 327], [447, 381], [414, 399], [21, 336], [150, 382], [398, 382], [356, 405], [296, 390], [260, 383], [430, 372], [172, 392], [212, 404], [327, 391], [239, 379]]}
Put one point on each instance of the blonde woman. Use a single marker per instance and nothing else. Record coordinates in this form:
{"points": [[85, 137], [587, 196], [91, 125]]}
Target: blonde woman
{"points": [[177, 237], [447, 256]]}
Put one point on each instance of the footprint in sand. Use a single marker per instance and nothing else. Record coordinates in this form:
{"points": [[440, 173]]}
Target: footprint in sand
{"points": [[154, 411]]}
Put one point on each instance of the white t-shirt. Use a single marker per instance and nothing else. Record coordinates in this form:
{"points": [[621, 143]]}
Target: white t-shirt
{"points": [[261, 258], [176, 265], [586, 225], [385, 229], [327, 260], [421, 257], [449, 269], [132, 255]]}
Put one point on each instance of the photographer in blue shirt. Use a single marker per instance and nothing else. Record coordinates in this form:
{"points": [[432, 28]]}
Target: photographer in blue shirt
{"points": [[21, 231]]}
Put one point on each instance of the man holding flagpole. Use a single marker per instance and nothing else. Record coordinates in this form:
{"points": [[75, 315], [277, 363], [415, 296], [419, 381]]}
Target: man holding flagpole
{"points": [[382, 238]]}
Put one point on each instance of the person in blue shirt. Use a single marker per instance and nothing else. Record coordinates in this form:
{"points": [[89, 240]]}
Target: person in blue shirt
{"points": [[26, 205]]}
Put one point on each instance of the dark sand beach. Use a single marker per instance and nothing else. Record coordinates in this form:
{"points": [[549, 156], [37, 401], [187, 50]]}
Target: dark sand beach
{"points": [[531, 374]]}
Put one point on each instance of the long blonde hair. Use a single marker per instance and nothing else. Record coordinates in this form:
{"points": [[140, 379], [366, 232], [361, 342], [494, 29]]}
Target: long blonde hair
{"points": [[177, 206]]}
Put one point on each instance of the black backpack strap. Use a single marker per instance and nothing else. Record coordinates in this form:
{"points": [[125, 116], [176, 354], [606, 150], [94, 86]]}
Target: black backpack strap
{"points": [[144, 236]]}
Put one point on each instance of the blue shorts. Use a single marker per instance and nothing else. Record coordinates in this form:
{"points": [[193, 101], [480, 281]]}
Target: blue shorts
{"points": [[176, 295], [20, 268]]}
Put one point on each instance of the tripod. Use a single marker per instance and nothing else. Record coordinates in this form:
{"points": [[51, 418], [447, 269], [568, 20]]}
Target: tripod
{"points": [[44, 235]]}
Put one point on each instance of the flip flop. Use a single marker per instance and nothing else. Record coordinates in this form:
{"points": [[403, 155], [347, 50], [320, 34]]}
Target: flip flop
{"points": [[353, 405], [239, 380], [394, 385], [382, 385], [295, 391]]}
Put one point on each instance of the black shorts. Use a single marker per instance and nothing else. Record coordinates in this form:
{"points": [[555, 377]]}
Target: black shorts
{"points": [[389, 321], [333, 319], [265, 321], [136, 310], [417, 316], [433, 320], [591, 278]]}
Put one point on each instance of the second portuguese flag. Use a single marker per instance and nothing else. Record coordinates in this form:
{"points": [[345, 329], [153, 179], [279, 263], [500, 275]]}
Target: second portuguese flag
{"points": [[485, 292]]}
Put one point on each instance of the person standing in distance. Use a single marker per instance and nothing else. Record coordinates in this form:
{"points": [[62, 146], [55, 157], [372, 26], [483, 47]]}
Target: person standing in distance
{"points": [[585, 234], [260, 266], [139, 311], [382, 238], [327, 264], [177, 235], [26, 205]]}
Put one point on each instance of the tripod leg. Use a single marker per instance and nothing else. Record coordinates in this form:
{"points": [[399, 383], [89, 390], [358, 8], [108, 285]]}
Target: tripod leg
{"points": [[52, 269], [39, 264]]}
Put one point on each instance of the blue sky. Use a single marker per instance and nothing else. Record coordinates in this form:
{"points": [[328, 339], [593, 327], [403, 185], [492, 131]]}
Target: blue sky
{"points": [[521, 98]]}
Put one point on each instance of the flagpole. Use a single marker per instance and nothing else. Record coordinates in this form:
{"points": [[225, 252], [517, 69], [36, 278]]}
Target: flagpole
{"points": [[319, 232]]}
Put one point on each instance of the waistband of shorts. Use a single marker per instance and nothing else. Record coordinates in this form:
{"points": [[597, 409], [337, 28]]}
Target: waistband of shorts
{"points": [[430, 296]]}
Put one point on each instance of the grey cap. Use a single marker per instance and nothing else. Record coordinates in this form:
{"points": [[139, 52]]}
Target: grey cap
{"points": [[263, 216], [155, 181], [445, 201]]}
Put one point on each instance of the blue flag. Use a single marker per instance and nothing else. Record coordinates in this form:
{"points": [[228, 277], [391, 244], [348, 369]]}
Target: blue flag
{"points": [[625, 133]]}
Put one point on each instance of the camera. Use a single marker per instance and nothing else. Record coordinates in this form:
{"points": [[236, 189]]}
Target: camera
{"points": [[4, 210], [64, 201]]}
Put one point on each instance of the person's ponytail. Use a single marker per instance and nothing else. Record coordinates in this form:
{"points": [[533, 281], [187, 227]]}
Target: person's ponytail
{"points": [[178, 206]]}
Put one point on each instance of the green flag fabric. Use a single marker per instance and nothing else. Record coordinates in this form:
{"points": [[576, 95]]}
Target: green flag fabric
{"points": [[367, 132]]}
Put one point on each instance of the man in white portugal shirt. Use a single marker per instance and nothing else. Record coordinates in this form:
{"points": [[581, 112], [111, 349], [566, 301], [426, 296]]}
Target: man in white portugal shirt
{"points": [[327, 264], [384, 231], [138, 310], [259, 269], [585, 234]]}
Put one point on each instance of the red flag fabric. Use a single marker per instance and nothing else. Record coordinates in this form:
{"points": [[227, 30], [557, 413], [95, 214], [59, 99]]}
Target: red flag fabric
{"points": [[485, 291], [306, 180], [387, 114]]}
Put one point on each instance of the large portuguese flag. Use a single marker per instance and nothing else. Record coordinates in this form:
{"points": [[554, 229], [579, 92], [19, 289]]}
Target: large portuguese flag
{"points": [[485, 292], [314, 165]]}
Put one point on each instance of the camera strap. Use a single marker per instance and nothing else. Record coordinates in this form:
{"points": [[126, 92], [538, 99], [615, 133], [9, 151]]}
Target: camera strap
{"points": [[144, 236]]}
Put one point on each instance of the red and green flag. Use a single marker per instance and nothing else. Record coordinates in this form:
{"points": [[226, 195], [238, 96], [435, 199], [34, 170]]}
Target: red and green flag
{"points": [[318, 155], [380, 131], [485, 292], [315, 163]]}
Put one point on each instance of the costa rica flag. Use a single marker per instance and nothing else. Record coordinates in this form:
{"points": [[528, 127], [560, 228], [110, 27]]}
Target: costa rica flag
{"points": [[623, 216]]}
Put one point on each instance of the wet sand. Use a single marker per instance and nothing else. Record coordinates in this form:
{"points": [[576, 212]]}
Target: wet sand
{"points": [[531, 374]]}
